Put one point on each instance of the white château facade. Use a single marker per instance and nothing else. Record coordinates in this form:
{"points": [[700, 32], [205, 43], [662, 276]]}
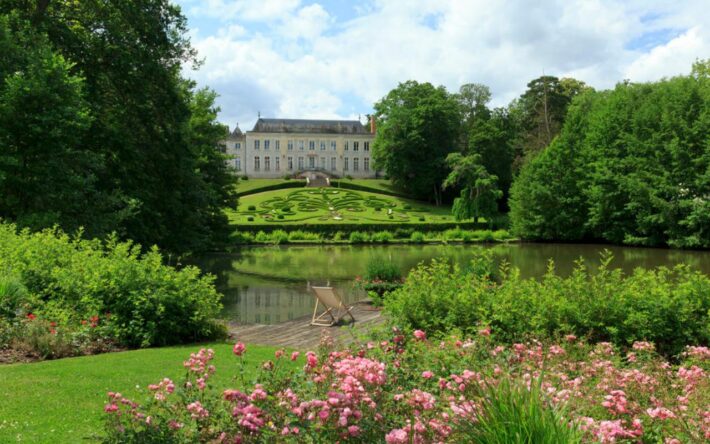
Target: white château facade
{"points": [[279, 147]]}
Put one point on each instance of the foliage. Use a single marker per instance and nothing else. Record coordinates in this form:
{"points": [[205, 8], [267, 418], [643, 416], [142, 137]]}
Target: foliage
{"points": [[670, 307], [479, 191], [140, 301], [380, 269], [630, 166], [417, 237], [514, 413], [132, 143], [260, 185], [403, 389], [417, 128]]}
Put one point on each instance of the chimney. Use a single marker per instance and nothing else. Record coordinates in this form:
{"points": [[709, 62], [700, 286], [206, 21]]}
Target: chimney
{"points": [[373, 126]]}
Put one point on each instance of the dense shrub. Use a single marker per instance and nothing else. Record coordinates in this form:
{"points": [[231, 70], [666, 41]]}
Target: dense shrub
{"points": [[141, 301], [382, 237], [670, 307], [251, 208], [279, 237], [417, 237], [380, 269], [358, 237], [242, 238], [403, 389], [299, 235]]}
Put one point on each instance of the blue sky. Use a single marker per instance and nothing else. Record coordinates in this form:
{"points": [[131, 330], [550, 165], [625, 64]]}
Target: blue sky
{"points": [[334, 59]]}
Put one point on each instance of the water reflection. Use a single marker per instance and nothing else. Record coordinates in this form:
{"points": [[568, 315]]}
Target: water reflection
{"points": [[271, 284]]}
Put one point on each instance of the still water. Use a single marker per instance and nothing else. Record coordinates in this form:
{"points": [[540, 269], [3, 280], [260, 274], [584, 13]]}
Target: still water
{"points": [[271, 284]]}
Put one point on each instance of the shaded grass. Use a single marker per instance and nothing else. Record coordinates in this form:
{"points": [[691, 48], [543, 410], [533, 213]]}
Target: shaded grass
{"points": [[62, 401]]}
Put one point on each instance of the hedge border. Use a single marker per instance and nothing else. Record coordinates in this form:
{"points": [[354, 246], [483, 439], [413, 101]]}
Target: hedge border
{"points": [[369, 228]]}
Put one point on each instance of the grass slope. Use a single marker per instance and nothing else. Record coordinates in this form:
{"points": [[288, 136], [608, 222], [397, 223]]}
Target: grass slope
{"points": [[332, 206], [62, 401]]}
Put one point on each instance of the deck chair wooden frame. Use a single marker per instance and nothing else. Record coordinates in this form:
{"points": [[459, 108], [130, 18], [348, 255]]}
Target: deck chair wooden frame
{"points": [[335, 309]]}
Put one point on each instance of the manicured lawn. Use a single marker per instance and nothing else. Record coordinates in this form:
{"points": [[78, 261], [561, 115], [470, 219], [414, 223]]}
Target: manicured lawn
{"points": [[62, 401], [375, 184], [332, 206], [244, 186]]}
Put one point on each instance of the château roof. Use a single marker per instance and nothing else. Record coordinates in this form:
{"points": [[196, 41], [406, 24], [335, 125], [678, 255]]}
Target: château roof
{"points": [[310, 126], [237, 133]]}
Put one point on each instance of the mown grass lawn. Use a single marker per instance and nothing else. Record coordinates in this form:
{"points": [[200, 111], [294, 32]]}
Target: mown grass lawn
{"points": [[62, 401], [332, 206], [249, 185]]}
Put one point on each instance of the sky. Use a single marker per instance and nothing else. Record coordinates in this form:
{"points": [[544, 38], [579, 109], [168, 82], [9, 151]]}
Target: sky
{"points": [[333, 59]]}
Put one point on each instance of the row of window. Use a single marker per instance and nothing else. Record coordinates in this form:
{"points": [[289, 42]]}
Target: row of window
{"points": [[301, 163], [312, 144]]}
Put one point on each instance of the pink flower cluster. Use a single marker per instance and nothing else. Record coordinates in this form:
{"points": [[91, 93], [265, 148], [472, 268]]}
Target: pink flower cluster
{"points": [[407, 389]]}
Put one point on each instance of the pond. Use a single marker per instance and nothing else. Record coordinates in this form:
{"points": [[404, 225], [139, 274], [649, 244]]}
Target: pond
{"points": [[271, 284]]}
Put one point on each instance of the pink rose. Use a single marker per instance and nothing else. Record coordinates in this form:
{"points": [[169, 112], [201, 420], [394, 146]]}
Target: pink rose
{"points": [[239, 348]]}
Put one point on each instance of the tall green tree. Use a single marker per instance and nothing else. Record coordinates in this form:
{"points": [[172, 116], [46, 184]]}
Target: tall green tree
{"points": [[46, 177], [479, 188], [417, 128], [630, 166], [541, 111], [130, 54]]}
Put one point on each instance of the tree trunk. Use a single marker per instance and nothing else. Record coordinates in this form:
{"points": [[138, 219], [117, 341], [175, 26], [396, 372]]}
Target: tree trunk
{"points": [[40, 11]]}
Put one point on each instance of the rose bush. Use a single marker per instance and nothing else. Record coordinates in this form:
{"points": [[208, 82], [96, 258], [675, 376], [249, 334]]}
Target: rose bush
{"points": [[409, 389]]}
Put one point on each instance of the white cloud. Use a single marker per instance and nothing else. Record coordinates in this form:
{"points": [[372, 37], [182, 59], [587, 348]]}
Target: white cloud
{"points": [[289, 59], [671, 58]]}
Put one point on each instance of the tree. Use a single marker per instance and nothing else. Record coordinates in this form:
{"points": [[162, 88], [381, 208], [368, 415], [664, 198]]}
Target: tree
{"points": [[479, 192], [473, 98], [46, 177], [541, 110], [631, 165], [491, 139], [417, 128], [151, 181]]}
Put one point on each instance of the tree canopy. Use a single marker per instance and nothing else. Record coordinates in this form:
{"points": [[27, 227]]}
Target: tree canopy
{"points": [[631, 165], [417, 128], [112, 138]]}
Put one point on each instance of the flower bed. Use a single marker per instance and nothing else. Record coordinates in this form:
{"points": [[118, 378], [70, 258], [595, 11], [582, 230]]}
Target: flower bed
{"points": [[407, 389]]}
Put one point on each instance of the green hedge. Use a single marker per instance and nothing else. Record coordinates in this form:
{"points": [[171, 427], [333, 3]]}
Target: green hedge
{"points": [[358, 187], [402, 230], [276, 186], [69, 279]]}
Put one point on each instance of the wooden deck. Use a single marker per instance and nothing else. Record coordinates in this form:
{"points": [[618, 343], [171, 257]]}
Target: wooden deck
{"points": [[300, 335]]}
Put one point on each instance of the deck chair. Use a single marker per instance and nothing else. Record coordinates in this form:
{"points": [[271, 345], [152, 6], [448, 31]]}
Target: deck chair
{"points": [[335, 309]]}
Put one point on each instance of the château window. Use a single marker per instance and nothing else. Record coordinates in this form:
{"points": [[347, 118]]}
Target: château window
{"points": [[345, 165], [322, 145], [290, 163], [290, 145], [311, 145], [300, 145], [256, 144], [257, 162], [277, 163], [238, 164], [311, 162], [267, 143], [238, 146], [267, 163], [332, 145], [356, 146], [322, 162], [366, 146], [366, 164], [332, 164], [277, 145], [300, 163], [346, 145], [356, 165]]}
